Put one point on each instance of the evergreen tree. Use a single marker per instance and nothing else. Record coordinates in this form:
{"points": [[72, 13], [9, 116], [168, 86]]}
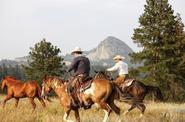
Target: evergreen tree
{"points": [[161, 36], [44, 60]]}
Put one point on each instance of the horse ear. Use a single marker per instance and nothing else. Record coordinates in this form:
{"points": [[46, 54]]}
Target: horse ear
{"points": [[96, 71]]}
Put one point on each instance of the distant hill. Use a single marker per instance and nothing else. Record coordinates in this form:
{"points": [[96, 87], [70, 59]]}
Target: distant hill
{"points": [[8, 62], [103, 54], [16, 61], [107, 49], [100, 55]]}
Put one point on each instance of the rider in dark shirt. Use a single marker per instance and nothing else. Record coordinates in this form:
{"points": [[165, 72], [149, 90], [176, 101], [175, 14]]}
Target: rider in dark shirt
{"points": [[81, 67]]}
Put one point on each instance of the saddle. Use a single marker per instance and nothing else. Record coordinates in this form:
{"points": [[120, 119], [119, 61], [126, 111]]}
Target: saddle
{"points": [[128, 82], [75, 90], [86, 84]]}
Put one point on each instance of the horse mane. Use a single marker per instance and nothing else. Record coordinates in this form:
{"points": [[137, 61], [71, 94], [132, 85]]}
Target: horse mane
{"points": [[55, 77], [11, 77], [100, 75], [10, 80]]}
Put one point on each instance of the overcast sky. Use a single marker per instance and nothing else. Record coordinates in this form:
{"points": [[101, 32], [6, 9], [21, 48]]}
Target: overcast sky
{"points": [[68, 23]]}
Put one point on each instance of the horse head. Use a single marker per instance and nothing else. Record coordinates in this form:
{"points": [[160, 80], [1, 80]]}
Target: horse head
{"points": [[46, 86], [50, 83]]}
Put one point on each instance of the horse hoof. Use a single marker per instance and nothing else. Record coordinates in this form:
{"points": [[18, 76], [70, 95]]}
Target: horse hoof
{"points": [[141, 115], [119, 120], [87, 106], [125, 113], [33, 111]]}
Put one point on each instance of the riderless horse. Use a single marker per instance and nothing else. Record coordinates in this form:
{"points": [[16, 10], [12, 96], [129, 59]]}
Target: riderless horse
{"points": [[17, 89]]}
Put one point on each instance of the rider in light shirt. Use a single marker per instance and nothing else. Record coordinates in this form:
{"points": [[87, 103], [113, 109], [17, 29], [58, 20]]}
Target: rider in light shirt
{"points": [[122, 69]]}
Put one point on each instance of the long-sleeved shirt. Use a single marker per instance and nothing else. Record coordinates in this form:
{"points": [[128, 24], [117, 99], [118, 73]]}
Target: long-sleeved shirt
{"points": [[80, 65], [121, 67]]}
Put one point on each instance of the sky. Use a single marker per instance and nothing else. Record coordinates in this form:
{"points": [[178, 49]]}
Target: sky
{"points": [[69, 23]]}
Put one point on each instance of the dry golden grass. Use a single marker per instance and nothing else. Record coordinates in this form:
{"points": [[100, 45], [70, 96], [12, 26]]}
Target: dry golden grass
{"points": [[155, 112]]}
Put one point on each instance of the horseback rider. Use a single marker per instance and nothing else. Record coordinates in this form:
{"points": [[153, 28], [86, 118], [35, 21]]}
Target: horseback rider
{"points": [[81, 67], [122, 69]]}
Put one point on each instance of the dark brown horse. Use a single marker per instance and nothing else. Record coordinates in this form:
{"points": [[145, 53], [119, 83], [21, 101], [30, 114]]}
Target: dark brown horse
{"points": [[134, 94], [98, 93], [17, 89]]}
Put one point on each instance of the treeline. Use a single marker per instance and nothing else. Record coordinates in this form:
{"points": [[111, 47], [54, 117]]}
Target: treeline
{"points": [[16, 71]]}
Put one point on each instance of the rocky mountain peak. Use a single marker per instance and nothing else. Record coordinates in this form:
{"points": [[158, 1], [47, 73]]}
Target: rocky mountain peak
{"points": [[108, 48]]}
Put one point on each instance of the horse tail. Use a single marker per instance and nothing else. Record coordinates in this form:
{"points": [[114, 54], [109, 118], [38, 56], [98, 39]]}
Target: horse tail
{"points": [[156, 92], [111, 103], [3, 84], [39, 91]]}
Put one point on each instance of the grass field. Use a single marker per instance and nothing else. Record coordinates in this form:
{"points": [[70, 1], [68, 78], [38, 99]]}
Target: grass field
{"points": [[155, 112]]}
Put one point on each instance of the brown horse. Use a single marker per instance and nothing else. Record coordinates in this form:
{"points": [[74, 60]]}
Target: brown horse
{"points": [[17, 89], [135, 93], [98, 93]]}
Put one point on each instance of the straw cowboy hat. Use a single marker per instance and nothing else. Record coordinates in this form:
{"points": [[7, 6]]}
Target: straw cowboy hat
{"points": [[76, 50], [118, 57]]}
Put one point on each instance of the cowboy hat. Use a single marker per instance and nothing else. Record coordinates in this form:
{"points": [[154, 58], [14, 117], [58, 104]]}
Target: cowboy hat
{"points": [[118, 57], [76, 50]]}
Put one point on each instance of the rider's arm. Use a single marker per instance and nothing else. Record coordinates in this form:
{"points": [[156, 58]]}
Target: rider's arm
{"points": [[114, 68], [73, 65]]}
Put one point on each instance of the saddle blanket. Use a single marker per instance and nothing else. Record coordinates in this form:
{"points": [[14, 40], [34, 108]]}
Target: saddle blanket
{"points": [[127, 83], [85, 85]]}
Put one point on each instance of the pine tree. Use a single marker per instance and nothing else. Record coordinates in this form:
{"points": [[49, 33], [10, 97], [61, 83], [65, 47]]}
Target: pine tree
{"points": [[161, 36], [44, 60]]}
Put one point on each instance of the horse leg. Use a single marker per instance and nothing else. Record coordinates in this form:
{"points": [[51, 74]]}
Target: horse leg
{"points": [[113, 106], [107, 110], [116, 110], [130, 109], [66, 115], [16, 102], [31, 99], [41, 101], [142, 108], [77, 116], [8, 97]]}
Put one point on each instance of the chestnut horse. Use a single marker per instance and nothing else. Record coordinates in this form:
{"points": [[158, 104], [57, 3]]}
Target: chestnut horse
{"points": [[98, 93], [17, 89], [134, 95]]}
